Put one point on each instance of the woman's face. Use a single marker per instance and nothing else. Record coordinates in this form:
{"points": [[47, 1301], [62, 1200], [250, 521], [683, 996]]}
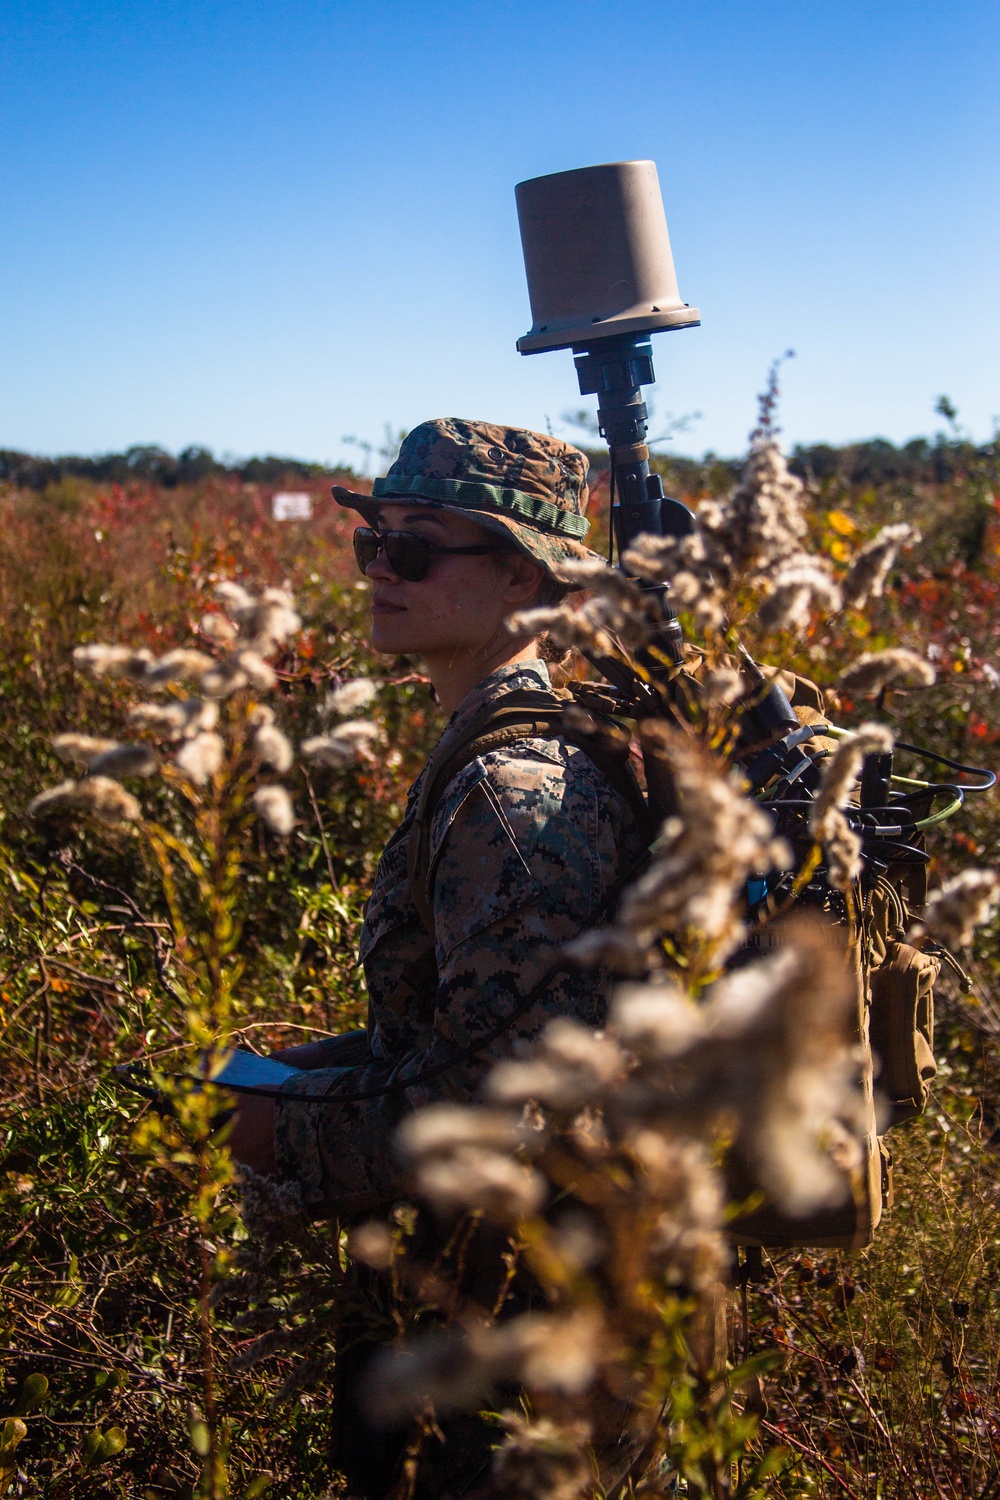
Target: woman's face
{"points": [[460, 606]]}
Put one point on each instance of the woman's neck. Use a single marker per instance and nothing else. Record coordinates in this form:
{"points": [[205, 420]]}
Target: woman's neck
{"points": [[454, 677]]}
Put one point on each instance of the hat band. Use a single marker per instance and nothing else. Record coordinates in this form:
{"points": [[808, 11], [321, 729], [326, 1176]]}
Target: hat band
{"points": [[472, 495]]}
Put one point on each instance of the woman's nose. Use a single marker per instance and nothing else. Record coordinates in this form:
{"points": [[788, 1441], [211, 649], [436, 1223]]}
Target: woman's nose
{"points": [[380, 567]]}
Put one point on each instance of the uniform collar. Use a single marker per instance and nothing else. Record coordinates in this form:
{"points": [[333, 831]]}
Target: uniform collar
{"points": [[518, 674], [515, 675]]}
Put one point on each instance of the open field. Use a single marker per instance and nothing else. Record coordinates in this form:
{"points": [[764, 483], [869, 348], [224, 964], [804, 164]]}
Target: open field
{"points": [[888, 1373]]}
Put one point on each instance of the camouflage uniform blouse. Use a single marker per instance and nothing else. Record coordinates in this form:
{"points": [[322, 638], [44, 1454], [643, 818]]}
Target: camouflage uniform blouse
{"points": [[525, 842]]}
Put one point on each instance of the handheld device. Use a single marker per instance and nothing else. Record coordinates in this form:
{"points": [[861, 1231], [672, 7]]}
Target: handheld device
{"points": [[242, 1072]]}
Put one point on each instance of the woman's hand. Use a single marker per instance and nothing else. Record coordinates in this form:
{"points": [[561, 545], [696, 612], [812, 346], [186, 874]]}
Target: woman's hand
{"points": [[308, 1055], [251, 1138]]}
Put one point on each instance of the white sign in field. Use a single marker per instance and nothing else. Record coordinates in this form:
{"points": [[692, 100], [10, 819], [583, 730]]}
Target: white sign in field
{"points": [[292, 505]]}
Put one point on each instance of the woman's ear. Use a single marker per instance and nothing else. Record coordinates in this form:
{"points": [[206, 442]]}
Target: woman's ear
{"points": [[524, 577]]}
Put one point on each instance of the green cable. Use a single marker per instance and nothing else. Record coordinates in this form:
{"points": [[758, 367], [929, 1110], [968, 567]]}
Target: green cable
{"points": [[939, 817]]}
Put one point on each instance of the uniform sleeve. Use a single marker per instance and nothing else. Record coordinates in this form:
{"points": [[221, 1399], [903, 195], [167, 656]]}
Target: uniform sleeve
{"points": [[524, 848]]}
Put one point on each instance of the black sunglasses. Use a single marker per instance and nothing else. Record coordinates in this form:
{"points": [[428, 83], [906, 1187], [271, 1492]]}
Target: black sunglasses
{"points": [[407, 554]]}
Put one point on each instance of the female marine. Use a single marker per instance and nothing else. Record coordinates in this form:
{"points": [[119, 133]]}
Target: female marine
{"points": [[519, 849]]}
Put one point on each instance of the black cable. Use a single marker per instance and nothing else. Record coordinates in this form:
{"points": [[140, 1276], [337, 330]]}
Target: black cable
{"points": [[901, 853], [856, 814], [953, 765]]}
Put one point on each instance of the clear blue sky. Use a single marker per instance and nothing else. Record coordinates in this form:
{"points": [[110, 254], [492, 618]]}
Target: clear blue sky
{"points": [[265, 226]]}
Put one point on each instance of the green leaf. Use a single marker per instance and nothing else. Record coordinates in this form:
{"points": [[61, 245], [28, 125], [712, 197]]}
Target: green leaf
{"points": [[773, 1463], [757, 1365], [90, 1449], [33, 1393], [71, 1290], [200, 1441], [113, 1442], [258, 1486], [11, 1433], [98, 1447]]}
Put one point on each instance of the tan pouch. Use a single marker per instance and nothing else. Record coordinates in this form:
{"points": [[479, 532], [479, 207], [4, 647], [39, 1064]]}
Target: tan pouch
{"points": [[901, 1028]]}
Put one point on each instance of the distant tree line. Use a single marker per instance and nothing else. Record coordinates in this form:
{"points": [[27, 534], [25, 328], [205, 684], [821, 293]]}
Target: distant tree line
{"points": [[153, 465], [943, 459], [877, 462]]}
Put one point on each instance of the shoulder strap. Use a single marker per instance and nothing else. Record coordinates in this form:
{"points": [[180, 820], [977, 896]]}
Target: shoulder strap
{"points": [[525, 713], [521, 714]]}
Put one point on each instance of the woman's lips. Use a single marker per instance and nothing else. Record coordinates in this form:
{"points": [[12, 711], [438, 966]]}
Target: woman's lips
{"points": [[386, 607]]}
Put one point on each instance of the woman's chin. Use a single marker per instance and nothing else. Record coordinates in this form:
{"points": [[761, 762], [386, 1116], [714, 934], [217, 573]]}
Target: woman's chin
{"points": [[391, 635]]}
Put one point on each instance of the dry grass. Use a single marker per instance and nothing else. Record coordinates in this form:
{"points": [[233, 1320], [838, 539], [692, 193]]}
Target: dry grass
{"points": [[889, 1381]]}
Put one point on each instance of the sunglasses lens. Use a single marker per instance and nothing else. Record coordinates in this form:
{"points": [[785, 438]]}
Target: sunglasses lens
{"points": [[365, 547], [409, 556]]}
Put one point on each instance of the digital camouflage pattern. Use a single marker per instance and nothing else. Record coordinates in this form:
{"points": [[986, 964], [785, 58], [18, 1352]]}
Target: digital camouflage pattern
{"points": [[526, 484], [525, 843]]}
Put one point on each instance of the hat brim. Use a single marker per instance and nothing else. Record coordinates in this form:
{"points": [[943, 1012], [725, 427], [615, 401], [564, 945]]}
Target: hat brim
{"points": [[546, 547]]}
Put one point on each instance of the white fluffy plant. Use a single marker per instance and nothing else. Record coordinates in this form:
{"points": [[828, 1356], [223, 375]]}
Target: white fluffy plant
{"points": [[201, 725]]}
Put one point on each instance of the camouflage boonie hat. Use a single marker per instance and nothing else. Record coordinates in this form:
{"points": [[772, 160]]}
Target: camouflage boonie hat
{"points": [[527, 485]]}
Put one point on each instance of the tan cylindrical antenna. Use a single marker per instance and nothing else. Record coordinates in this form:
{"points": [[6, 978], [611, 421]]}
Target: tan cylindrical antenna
{"points": [[597, 256]]}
